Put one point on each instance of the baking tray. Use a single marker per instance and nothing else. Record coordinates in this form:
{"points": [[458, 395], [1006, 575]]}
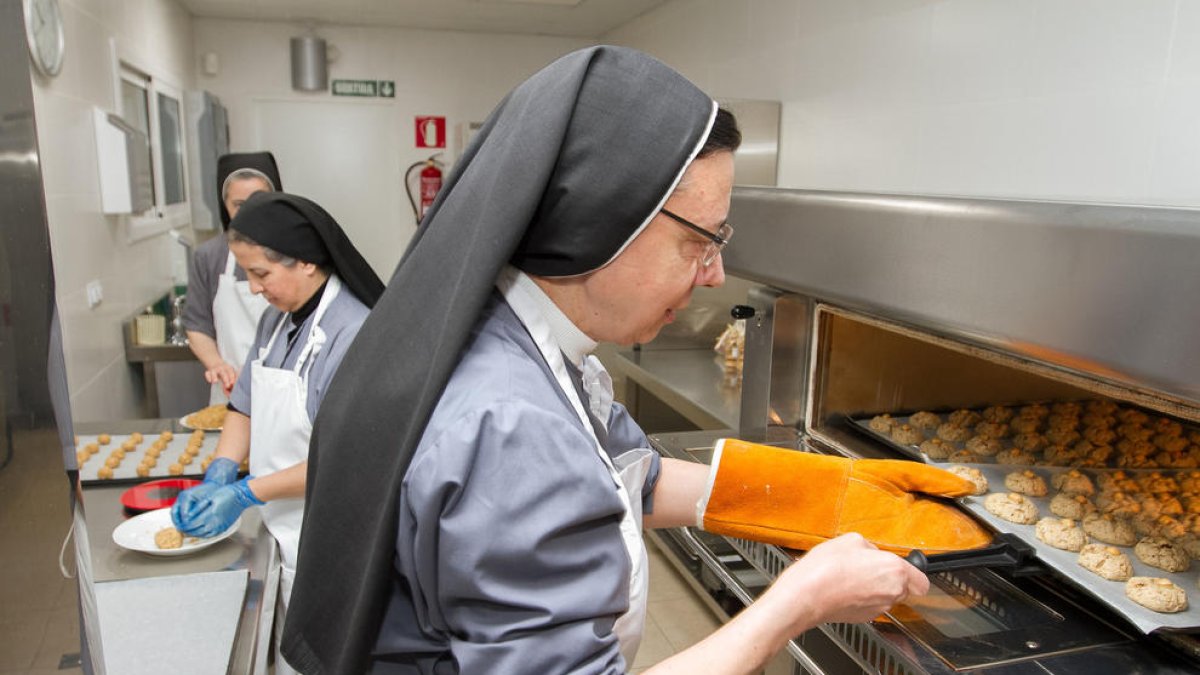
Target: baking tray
{"points": [[1111, 593], [126, 471]]}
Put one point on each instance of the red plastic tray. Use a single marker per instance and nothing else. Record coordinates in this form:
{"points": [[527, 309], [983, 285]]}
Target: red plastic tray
{"points": [[156, 494]]}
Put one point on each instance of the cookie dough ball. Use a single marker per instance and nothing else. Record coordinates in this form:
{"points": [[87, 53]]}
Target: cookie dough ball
{"points": [[953, 432], [972, 474], [984, 446], [119, 453], [197, 435], [905, 434], [92, 448], [1057, 436], [135, 438], [1060, 533], [1099, 435], [81, 458], [168, 537], [1163, 554], [1109, 529], [166, 436], [104, 439], [1034, 411], [128, 446], [1106, 562], [104, 472], [925, 420], [143, 470], [1156, 593], [185, 459], [1015, 457], [1074, 506], [883, 423], [936, 448], [1026, 482], [112, 462], [1012, 507], [175, 469]]}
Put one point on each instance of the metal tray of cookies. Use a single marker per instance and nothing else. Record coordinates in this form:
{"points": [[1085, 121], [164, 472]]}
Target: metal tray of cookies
{"points": [[1112, 593], [170, 462], [1104, 434]]}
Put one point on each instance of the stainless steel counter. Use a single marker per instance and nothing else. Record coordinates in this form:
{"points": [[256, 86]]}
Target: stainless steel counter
{"points": [[692, 382], [251, 549]]}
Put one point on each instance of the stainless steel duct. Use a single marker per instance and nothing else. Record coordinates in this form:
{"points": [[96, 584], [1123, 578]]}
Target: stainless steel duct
{"points": [[310, 68]]}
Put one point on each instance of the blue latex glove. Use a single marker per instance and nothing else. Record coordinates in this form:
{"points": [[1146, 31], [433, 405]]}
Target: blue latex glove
{"points": [[223, 507], [222, 471]]}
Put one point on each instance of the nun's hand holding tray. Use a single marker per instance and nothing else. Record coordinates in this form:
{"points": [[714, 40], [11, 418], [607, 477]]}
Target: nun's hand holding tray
{"points": [[138, 534]]}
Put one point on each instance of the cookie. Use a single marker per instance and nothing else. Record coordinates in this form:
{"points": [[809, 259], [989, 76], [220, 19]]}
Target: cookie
{"points": [[1015, 457], [1012, 507], [974, 475], [905, 434], [1026, 482], [1073, 483], [1156, 593], [992, 429], [984, 446], [964, 418], [1109, 530], [936, 448], [997, 413], [1161, 553], [925, 420], [882, 423], [1106, 562], [1060, 533], [953, 432], [1030, 441], [963, 457], [1066, 505]]}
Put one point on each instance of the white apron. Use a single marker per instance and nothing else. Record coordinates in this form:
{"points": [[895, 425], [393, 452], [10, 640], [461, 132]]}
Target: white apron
{"points": [[280, 430], [629, 474], [236, 312]]}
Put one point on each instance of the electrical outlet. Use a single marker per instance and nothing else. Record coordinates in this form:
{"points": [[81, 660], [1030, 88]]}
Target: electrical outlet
{"points": [[95, 293]]}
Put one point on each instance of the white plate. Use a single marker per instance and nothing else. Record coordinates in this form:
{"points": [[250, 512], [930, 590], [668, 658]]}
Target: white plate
{"points": [[183, 423], [137, 534]]}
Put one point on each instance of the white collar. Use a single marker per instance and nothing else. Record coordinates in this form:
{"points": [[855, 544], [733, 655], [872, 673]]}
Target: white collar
{"points": [[535, 309]]}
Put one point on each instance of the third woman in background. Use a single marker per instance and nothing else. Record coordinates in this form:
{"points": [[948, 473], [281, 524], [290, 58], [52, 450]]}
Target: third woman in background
{"points": [[221, 313]]}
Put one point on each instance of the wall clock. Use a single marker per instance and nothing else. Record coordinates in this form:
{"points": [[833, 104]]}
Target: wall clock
{"points": [[44, 30]]}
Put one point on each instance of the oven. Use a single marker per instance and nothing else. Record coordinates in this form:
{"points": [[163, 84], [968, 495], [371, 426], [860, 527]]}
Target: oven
{"points": [[1077, 319]]}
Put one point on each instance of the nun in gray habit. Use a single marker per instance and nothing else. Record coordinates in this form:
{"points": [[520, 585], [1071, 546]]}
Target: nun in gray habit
{"points": [[460, 516]]}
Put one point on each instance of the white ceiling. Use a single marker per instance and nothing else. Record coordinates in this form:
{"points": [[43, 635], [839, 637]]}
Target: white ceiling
{"points": [[587, 19]]}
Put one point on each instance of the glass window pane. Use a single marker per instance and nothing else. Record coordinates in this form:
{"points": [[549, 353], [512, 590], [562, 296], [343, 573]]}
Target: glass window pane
{"points": [[135, 107], [170, 129]]}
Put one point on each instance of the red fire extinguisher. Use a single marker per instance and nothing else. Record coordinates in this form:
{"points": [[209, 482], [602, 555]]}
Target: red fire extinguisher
{"points": [[429, 183]]}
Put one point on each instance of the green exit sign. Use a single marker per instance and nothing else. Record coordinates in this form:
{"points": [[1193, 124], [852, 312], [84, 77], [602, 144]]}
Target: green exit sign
{"points": [[369, 88]]}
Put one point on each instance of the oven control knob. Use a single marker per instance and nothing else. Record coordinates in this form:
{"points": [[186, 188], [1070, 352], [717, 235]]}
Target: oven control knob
{"points": [[741, 311]]}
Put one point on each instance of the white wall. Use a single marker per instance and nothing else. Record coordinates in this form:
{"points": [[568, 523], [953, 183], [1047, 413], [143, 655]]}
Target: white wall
{"points": [[154, 35], [461, 76], [1090, 100]]}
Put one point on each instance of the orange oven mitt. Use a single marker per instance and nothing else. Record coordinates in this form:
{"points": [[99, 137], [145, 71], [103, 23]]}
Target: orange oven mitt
{"points": [[800, 499]]}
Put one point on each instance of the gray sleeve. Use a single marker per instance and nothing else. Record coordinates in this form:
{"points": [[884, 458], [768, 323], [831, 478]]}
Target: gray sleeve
{"points": [[345, 317], [625, 433], [510, 537], [239, 398], [205, 266]]}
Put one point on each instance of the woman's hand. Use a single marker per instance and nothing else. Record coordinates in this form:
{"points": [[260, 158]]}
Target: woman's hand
{"points": [[224, 373], [844, 580]]}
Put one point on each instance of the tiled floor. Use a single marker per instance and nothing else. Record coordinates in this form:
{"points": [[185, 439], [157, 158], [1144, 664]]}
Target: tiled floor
{"points": [[38, 610], [38, 615]]}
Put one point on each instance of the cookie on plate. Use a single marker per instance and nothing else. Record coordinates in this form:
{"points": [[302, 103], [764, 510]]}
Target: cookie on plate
{"points": [[1060, 533], [1066, 505], [1026, 482], [1156, 593], [1109, 529], [1012, 507], [1163, 554], [1106, 561], [972, 474]]}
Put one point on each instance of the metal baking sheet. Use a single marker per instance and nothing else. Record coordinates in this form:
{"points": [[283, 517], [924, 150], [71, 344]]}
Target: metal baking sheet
{"points": [[1112, 593], [126, 471]]}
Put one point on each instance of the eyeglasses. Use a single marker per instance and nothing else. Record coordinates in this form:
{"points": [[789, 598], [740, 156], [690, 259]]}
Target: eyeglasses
{"points": [[716, 242]]}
